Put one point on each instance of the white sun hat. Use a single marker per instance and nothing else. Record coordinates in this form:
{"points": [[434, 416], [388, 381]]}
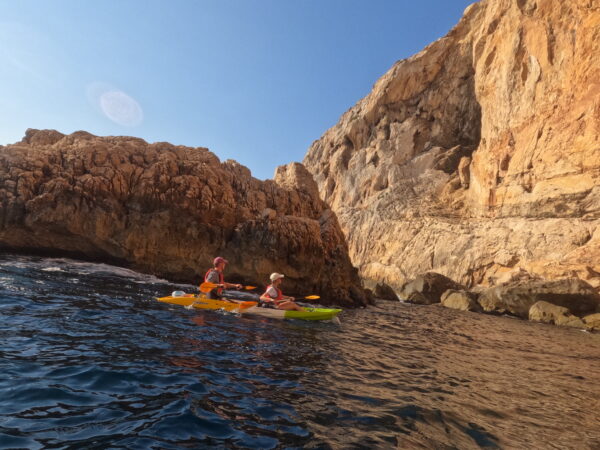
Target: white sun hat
{"points": [[276, 276]]}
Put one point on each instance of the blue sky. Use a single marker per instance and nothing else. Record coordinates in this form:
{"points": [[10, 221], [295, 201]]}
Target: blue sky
{"points": [[253, 80]]}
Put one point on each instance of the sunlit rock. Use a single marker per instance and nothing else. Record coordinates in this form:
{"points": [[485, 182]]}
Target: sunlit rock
{"points": [[461, 300], [477, 155], [518, 297], [427, 289], [548, 313], [592, 322], [169, 210]]}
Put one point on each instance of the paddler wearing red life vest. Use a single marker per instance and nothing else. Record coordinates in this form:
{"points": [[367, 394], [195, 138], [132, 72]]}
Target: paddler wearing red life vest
{"points": [[215, 275], [274, 298]]}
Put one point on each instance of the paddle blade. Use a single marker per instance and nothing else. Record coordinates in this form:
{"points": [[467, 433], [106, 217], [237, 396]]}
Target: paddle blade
{"points": [[249, 288], [207, 287], [312, 297]]}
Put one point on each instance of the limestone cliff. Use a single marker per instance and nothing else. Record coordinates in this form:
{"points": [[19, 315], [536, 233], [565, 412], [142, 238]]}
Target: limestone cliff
{"points": [[170, 210], [479, 154]]}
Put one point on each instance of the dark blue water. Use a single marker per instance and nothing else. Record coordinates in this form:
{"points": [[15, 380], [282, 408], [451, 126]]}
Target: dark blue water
{"points": [[89, 359]]}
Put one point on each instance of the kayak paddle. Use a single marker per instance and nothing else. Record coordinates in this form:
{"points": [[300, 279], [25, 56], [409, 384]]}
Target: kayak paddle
{"points": [[208, 286], [240, 305]]}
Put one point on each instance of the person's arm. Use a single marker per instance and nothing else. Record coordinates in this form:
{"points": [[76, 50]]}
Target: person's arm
{"points": [[231, 285]]}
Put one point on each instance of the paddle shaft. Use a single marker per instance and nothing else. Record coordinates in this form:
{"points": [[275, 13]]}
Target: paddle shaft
{"points": [[208, 286]]}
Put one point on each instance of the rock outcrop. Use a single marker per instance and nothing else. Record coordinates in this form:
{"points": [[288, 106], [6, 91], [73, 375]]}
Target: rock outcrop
{"points": [[517, 298], [169, 210], [567, 302], [478, 155]]}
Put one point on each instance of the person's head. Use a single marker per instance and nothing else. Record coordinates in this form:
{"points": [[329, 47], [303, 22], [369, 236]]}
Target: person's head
{"points": [[219, 262], [276, 278]]}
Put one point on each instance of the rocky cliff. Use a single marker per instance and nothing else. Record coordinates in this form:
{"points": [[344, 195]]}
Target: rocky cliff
{"points": [[170, 210], [480, 154]]}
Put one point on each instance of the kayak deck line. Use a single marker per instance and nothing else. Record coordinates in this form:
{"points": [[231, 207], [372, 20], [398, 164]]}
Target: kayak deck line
{"points": [[249, 307]]}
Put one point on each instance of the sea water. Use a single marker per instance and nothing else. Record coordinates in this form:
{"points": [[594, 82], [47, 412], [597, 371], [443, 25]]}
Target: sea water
{"points": [[88, 358]]}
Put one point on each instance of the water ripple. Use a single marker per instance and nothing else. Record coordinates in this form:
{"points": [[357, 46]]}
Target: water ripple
{"points": [[89, 359]]}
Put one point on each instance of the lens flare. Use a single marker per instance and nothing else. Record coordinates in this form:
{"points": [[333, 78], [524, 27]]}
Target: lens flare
{"points": [[121, 108], [115, 104]]}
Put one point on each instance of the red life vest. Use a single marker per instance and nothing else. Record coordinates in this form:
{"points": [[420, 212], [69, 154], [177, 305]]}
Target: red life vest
{"points": [[279, 297], [221, 279]]}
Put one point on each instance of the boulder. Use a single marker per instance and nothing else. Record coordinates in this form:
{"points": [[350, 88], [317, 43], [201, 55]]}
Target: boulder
{"points": [[518, 297], [428, 288], [548, 313], [592, 322], [385, 292], [461, 300]]}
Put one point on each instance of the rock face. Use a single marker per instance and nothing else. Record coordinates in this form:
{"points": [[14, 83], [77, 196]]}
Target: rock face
{"points": [[517, 298], [478, 155], [385, 292], [427, 289], [461, 300], [592, 322], [557, 315], [170, 210]]}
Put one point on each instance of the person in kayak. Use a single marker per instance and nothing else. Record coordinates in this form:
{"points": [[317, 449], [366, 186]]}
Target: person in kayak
{"points": [[274, 298], [215, 275]]}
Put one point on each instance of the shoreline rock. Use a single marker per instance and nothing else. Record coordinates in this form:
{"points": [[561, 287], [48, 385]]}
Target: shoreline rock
{"points": [[385, 292], [428, 288], [517, 298], [592, 322], [461, 300], [566, 302], [556, 315], [169, 210]]}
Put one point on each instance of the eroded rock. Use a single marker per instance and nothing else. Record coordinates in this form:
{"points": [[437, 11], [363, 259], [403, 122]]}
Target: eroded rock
{"points": [[464, 172], [557, 315], [461, 300], [427, 289], [592, 322], [516, 89], [384, 292], [169, 210], [513, 276], [518, 297]]}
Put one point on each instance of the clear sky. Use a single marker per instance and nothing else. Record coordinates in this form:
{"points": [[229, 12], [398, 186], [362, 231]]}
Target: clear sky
{"points": [[253, 80]]}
